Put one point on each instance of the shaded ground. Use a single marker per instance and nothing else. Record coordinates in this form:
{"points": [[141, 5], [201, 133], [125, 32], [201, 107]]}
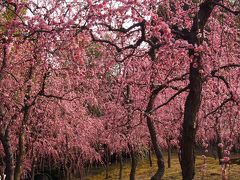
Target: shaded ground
{"points": [[144, 171]]}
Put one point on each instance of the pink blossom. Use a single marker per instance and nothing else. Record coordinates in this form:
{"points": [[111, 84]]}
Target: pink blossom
{"points": [[220, 145]]}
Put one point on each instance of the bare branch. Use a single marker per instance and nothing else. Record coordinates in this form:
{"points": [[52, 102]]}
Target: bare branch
{"points": [[219, 107], [123, 30], [105, 41], [171, 98], [227, 9]]}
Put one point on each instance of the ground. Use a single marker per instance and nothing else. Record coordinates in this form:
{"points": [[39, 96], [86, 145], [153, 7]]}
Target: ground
{"points": [[144, 171]]}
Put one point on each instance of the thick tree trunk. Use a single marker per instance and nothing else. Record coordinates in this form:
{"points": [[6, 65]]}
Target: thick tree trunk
{"points": [[150, 157], [121, 166], [193, 100], [5, 139], [169, 153], [133, 164], [189, 125]]}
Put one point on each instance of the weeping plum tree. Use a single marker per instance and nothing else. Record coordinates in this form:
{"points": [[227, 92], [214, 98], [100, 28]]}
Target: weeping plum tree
{"points": [[35, 59], [167, 28], [168, 52]]}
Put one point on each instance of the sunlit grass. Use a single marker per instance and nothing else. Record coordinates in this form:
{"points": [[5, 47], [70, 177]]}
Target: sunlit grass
{"points": [[144, 171]]}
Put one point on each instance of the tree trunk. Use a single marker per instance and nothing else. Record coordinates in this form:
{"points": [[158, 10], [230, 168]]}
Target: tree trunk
{"points": [[150, 157], [21, 138], [21, 144], [193, 100], [169, 153], [133, 164], [107, 162], [33, 169], [121, 166], [189, 125], [160, 161], [2, 167], [219, 150], [153, 135], [19, 159], [179, 156], [5, 139]]}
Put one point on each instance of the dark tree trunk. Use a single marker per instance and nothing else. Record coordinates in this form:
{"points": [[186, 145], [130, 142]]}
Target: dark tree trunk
{"points": [[150, 157], [193, 100], [179, 156], [219, 150], [169, 152], [21, 144], [189, 131], [21, 138], [5, 139], [2, 167], [192, 106], [121, 166], [160, 161], [219, 140], [153, 135], [107, 162], [19, 159], [133, 164]]}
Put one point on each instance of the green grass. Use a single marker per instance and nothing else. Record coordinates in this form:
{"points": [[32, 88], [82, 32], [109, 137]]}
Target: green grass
{"points": [[144, 171]]}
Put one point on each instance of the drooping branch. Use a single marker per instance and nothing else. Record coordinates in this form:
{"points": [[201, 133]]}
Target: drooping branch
{"points": [[222, 78], [219, 107], [43, 93]]}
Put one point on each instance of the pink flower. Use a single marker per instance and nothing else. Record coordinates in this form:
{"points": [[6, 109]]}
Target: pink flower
{"points": [[226, 152], [220, 145], [201, 71], [226, 159], [195, 65]]}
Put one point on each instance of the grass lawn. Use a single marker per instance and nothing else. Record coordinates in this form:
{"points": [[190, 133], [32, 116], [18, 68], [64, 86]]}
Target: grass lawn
{"points": [[144, 171]]}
